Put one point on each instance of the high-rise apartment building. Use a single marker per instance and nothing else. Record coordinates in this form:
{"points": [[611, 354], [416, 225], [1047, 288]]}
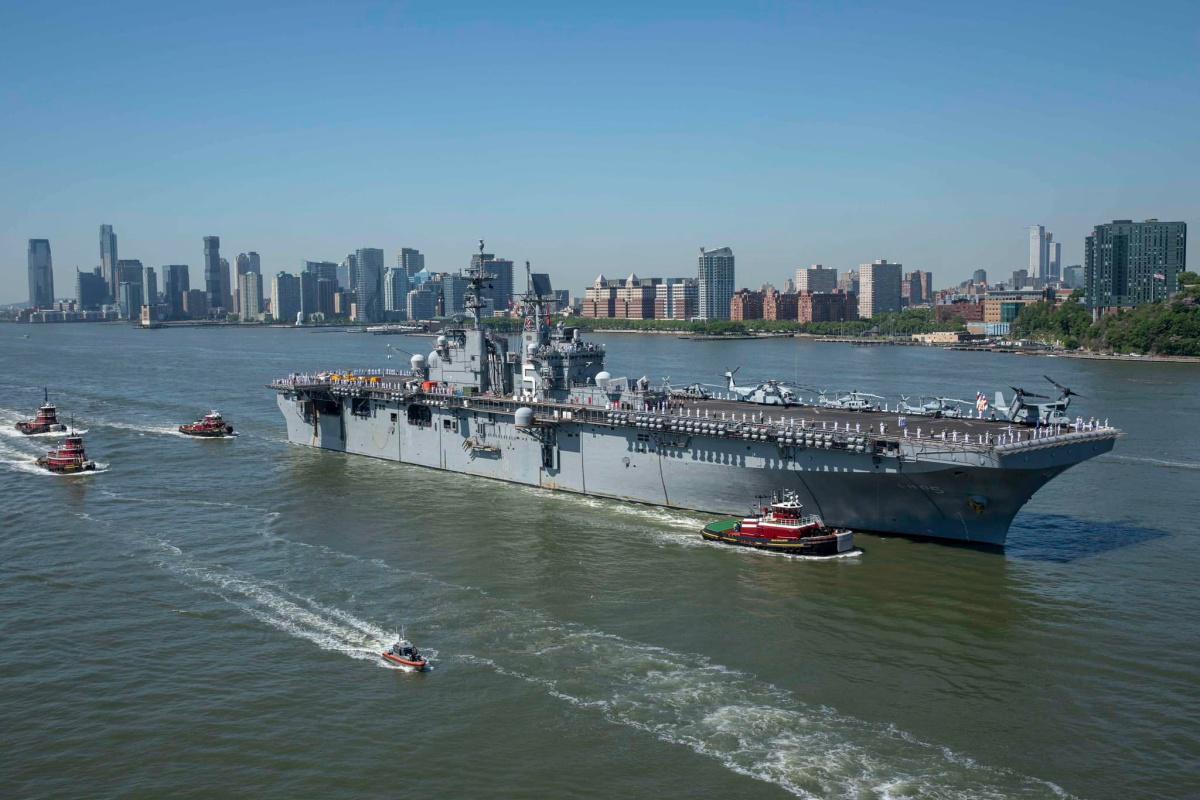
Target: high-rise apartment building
{"points": [[916, 288], [324, 270], [879, 282], [1045, 255], [308, 294], [91, 291], [421, 303], [108, 259], [130, 299], [816, 279], [368, 290], [1073, 276], [212, 271], [326, 291], [849, 282], [195, 303], [715, 277], [395, 292], [410, 260], [226, 285], [347, 274], [41, 274], [1128, 263], [454, 294], [285, 297], [175, 286], [250, 296], [129, 270], [676, 298], [149, 286], [746, 304], [979, 276]]}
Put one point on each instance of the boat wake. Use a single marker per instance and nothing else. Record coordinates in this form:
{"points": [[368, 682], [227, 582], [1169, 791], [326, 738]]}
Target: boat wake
{"points": [[750, 726], [1155, 462], [328, 628]]}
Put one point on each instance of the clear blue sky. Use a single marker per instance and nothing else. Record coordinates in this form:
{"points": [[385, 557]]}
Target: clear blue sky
{"points": [[599, 137]]}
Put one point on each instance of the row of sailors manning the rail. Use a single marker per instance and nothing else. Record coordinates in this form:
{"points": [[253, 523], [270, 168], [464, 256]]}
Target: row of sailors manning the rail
{"points": [[378, 377], [725, 423]]}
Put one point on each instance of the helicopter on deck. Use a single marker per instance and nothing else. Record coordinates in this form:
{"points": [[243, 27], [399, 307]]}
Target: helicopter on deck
{"points": [[1027, 413], [947, 407], [851, 401], [771, 393], [693, 391]]}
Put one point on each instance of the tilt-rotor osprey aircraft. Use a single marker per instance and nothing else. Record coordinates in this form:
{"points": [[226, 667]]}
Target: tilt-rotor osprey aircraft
{"points": [[1026, 413], [771, 393]]}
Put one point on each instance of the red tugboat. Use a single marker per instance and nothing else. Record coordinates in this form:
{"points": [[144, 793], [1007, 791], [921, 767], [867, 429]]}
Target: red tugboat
{"points": [[783, 527], [209, 426], [405, 654], [69, 459], [46, 421]]}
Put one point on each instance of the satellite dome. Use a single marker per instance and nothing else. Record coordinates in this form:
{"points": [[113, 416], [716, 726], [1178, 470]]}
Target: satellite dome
{"points": [[603, 375], [417, 362], [433, 359], [524, 417], [441, 341]]}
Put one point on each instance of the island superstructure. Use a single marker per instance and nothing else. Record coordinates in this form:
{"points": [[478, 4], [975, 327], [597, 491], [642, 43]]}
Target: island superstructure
{"points": [[546, 413]]}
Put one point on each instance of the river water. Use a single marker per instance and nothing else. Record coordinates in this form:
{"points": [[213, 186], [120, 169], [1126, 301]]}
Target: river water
{"points": [[202, 618]]}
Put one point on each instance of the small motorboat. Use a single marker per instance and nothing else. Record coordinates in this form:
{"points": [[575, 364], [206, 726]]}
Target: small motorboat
{"points": [[46, 421], [209, 426], [405, 654], [783, 527], [68, 459]]}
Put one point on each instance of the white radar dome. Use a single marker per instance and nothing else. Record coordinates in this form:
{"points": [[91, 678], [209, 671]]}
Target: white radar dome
{"points": [[524, 417], [602, 376], [433, 360], [417, 362], [441, 341]]}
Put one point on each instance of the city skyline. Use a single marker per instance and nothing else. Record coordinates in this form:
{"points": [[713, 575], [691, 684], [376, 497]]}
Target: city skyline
{"points": [[829, 148]]}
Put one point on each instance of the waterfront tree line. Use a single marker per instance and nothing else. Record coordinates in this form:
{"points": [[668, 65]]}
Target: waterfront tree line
{"points": [[1169, 328]]}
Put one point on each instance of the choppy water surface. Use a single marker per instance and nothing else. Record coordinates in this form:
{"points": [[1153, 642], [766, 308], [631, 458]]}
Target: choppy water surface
{"points": [[203, 618]]}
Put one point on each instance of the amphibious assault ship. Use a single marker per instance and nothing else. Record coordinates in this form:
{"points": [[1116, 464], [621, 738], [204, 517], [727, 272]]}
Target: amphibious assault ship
{"points": [[548, 414]]}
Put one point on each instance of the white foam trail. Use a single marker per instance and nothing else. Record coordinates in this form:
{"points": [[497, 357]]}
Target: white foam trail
{"points": [[328, 628], [1158, 462], [160, 430], [750, 727]]}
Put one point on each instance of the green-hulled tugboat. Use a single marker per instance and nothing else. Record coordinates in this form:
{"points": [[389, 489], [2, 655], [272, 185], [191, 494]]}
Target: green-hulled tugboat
{"points": [[783, 527]]}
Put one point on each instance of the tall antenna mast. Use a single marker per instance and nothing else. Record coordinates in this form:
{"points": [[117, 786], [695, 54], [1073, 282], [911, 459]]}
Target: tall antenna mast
{"points": [[475, 278]]}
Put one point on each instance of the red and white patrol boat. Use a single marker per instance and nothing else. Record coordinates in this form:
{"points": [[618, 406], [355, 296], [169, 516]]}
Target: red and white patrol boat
{"points": [[68, 459], [782, 527], [46, 421], [405, 654], [209, 426]]}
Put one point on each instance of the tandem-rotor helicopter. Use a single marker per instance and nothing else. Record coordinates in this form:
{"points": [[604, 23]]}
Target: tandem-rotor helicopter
{"points": [[1026, 413], [771, 393]]}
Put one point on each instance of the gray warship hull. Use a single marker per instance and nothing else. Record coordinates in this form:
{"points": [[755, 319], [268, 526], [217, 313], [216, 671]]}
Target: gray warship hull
{"points": [[960, 480]]}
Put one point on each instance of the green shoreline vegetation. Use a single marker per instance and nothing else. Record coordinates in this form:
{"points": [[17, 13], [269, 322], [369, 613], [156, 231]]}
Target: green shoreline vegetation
{"points": [[1167, 328], [905, 323]]}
